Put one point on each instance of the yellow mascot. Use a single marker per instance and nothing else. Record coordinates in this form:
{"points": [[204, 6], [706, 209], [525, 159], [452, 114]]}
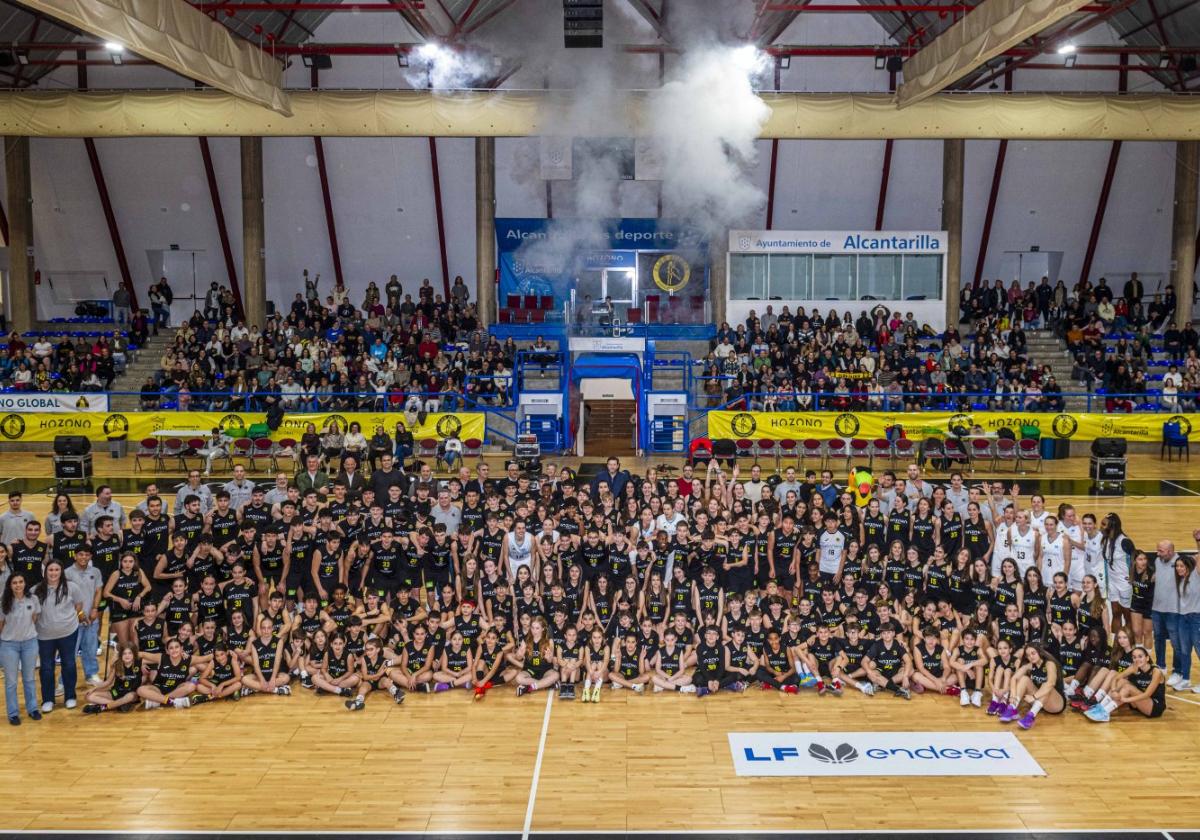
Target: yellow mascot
{"points": [[861, 484]]}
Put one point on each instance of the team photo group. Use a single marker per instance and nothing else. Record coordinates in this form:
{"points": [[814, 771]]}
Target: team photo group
{"points": [[716, 581]]}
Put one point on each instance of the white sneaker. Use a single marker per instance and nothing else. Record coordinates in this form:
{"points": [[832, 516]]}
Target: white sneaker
{"points": [[658, 689], [47, 707], [71, 704], [976, 699], [1196, 689], [1183, 685], [616, 686], [95, 679], [151, 704], [687, 689], [1173, 680], [964, 698], [639, 687], [181, 703], [59, 691]]}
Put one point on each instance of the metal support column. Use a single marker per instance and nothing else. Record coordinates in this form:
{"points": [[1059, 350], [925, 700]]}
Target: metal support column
{"points": [[953, 155], [254, 253], [485, 228], [886, 175], [214, 193], [437, 208], [21, 304], [1183, 227]]}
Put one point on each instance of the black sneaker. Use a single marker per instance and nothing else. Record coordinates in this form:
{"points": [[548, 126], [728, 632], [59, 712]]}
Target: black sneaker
{"points": [[128, 707], [427, 688], [93, 709], [306, 682], [399, 695], [522, 690], [355, 705]]}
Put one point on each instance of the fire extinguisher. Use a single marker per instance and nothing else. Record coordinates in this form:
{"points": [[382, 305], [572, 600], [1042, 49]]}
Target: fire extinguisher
{"points": [[37, 277]]}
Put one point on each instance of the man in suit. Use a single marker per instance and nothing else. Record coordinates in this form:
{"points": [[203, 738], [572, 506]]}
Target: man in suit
{"points": [[1133, 293], [350, 476], [312, 477], [614, 476]]}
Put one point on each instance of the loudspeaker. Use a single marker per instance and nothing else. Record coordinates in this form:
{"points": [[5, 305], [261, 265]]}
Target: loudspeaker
{"points": [[72, 445], [1109, 447]]}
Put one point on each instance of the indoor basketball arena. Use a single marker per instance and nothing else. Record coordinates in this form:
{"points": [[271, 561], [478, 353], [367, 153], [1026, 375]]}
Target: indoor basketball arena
{"points": [[514, 418]]}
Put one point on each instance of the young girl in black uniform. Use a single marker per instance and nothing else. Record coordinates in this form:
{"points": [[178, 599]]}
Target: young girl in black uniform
{"points": [[1004, 663], [710, 662], [534, 657], [415, 668], [1106, 668], [338, 674], [1089, 609], [628, 668], [224, 674], [372, 674], [124, 591], [596, 657], [120, 690], [455, 666], [173, 681], [1141, 687], [1039, 683], [967, 661], [1141, 578], [669, 664], [266, 652], [932, 665], [776, 667]]}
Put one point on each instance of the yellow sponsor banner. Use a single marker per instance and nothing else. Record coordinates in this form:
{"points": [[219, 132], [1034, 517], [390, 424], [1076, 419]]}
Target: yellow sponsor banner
{"points": [[824, 425], [44, 427]]}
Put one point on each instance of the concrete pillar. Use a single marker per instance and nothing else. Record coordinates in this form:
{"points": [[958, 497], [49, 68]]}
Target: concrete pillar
{"points": [[485, 229], [1183, 227], [254, 255], [953, 156], [717, 284], [21, 306]]}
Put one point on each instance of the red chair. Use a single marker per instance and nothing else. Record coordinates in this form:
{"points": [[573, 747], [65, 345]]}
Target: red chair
{"points": [[881, 448], [744, 447], [536, 316], [1006, 450], [147, 448], [264, 448], [811, 449], [243, 448], [530, 302], [787, 449], [428, 449], [982, 450], [512, 301], [836, 448], [860, 448], [902, 447], [546, 302], [633, 316], [506, 315], [173, 448], [652, 303], [768, 448], [472, 448], [956, 453], [935, 450], [286, 448], [1030, 451]]}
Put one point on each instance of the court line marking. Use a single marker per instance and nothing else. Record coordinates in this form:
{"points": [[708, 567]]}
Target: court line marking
{"points": [[1167, 835], [537, 765], [1176, 696], [1179, 487]]}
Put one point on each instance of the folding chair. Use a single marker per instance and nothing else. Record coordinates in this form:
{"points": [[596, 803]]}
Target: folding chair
{"points": [[147, 448], [1006, 450], [1029, 451]]}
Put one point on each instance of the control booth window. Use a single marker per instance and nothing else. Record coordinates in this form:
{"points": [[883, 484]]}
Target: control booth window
{"points": [[879, 277], [788, 277], [748, 276], [834, 277], [923, 277]]}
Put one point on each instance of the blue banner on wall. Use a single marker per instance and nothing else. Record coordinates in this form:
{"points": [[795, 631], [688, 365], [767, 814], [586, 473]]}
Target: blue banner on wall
{"points": [[541, 257]]}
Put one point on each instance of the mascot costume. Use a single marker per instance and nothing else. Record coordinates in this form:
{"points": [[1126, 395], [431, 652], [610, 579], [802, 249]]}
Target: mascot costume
{"points": [[861, 485]]}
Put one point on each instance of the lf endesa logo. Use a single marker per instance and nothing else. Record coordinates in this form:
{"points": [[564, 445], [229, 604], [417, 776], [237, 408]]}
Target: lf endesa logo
{"points": [[846, 753]]}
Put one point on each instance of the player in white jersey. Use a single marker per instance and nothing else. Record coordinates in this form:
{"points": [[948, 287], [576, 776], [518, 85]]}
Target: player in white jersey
{"points": [[1001, 546], [1038, 513], [1068, 524], [1023, 543], [1056, 551], [1092, 564], [832, 554], [1116, 551]]}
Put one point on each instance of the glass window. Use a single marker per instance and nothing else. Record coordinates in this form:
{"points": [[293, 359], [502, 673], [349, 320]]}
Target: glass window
{"points": [[787, 276], [833, 277], [923, 277], [879, 277], [747, 276]]}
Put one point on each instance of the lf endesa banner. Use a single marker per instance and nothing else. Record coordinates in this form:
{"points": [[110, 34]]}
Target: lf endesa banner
{"points": [[43, 427], [825, 425]]}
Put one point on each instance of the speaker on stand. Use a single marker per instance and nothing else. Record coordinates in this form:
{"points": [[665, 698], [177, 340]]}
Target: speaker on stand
{"points": [[1107, 467], [72, 459]]}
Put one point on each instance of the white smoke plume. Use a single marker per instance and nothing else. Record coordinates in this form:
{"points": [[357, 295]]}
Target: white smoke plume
{"points": [[434, 66]]}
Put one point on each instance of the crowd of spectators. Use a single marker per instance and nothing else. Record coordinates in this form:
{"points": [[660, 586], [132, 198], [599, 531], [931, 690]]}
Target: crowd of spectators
{"points": [[878, 361], [393, 351], [66, 363]]}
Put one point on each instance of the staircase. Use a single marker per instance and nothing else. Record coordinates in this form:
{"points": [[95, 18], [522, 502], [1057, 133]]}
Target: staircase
{"points": [[145, 364], [1045, 348], [609, 428]]}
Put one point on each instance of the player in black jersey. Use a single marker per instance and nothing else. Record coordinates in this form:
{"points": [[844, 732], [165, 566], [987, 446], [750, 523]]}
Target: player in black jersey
{"points": [[534, 659], [106, 547], [223, 674], [776, 666], [628, 668], [851, 665], [821, 655], [710, 662], [119, 689], [596, 657], [372, 674], [569, 660], [888, 662], [1141, 687], [1039, 683], [968, 661], [124, 592], [669, 664], [338, 673], [266, 658], [172, 682], [931, 663]]}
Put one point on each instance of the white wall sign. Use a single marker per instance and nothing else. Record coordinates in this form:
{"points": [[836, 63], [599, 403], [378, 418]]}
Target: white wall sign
{"points": [[54, 402], [881, 754], [607, 344], [837, 241]]}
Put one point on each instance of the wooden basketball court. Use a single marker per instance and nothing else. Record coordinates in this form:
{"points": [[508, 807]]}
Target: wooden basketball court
{"points": [[653, 762]]}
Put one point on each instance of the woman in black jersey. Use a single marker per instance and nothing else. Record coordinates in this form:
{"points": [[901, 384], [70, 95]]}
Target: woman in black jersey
{"points": [[1141, 578], [1141, 687], [1003, 665], [1106, 668], [1034, 595], [124, 591], [1089, 606], [266, 656], [668, 666], [338, 674], [1007, 588], [223, 675], [1039, 683], [239, 636], [172, 682], [490, 658], [950, 530], [924, 529], [1060, 603], [414, 663], [959, 582], [455, 667], [119, 689], [980, 621], [628, 667], [534, 659]]}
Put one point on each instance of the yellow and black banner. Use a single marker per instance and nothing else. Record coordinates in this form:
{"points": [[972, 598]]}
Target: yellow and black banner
{"points": [[825, 425], [43, 427]]}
